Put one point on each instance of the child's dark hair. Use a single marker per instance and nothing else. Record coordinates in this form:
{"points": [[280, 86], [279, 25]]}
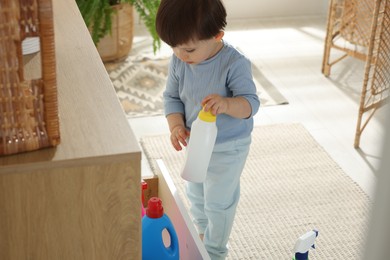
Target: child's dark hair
{"points": [[179, 21]]}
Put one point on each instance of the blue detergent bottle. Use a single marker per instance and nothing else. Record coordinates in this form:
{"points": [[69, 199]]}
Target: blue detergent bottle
{"points": [[154, 223]]}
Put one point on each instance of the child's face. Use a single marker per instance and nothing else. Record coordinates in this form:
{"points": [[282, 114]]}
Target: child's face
{"points": [[194, 52]]}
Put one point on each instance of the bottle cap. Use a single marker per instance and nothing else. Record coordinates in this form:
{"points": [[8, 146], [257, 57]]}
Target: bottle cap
{"points": [[207, 116], [155, 208], [144, 185]]}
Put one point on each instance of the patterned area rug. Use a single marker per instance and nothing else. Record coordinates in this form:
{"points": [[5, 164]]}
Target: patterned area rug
{"points": [[289, 186], [140, 79]]}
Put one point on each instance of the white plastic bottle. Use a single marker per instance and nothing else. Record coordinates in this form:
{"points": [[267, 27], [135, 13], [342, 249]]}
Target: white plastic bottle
{"points": [[200, 147]]}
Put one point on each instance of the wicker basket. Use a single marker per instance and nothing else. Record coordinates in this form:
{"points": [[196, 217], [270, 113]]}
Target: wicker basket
{"points": [[28, 108], [117, 45]]}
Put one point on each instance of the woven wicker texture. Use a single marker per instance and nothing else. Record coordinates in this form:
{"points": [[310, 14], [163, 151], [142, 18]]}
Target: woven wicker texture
{"points": [[348, 30], [376, 86], [28, 108], [355, 21], [360, 29], [289, 186]]}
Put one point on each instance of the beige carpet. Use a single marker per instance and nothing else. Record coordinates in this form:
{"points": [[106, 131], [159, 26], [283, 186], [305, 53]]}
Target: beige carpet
{"points": [[139, 81], [289, 186]]}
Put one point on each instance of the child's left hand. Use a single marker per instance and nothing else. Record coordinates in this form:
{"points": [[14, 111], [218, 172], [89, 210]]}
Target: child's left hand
{"points": [[215, 103]]}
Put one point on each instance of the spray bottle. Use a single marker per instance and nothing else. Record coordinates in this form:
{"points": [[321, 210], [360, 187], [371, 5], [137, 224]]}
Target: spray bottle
{"points": [[303, 245]]}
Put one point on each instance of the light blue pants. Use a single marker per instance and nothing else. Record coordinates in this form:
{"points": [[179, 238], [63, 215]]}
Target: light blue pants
{"points": [[214, 202]]}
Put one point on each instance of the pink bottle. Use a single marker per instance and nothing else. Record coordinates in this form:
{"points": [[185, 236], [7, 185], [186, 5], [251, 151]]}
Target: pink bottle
{"points": [[144, 186]]}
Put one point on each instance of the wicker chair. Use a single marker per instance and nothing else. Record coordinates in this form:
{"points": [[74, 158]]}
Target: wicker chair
{"points": [[361, 29], [348, 30], [376, 85], [28, 108]]}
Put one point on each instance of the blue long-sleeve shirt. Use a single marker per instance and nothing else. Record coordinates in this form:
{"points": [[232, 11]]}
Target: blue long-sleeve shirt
{"points": [[228, 74]]}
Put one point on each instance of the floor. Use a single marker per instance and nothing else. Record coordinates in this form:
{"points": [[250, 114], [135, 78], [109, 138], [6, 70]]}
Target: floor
{"points": [[289, 53]]}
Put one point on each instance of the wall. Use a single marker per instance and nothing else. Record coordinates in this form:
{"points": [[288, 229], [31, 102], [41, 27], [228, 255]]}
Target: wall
{"points": [[250, 9], [241, 9], [377, 242]]}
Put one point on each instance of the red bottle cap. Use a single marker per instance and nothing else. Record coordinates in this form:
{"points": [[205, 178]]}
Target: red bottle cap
{"points": [[144, 185], [155, 208]]}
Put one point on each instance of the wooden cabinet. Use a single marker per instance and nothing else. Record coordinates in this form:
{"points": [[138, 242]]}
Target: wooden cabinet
{"points": [[80, 200]]}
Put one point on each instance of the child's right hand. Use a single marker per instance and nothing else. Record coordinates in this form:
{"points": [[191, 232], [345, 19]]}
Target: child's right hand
{"points": [[179, 135]]}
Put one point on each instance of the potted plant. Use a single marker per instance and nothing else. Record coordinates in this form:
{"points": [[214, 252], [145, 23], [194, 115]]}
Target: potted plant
{"points": [[111, 24]]}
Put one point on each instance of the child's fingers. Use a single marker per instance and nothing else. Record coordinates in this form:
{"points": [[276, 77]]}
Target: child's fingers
{"points": [[178, 138], [175, 143], [207, 101]]}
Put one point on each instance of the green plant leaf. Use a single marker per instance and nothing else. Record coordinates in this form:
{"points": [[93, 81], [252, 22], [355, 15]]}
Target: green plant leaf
{"points": [[97, 15]]}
